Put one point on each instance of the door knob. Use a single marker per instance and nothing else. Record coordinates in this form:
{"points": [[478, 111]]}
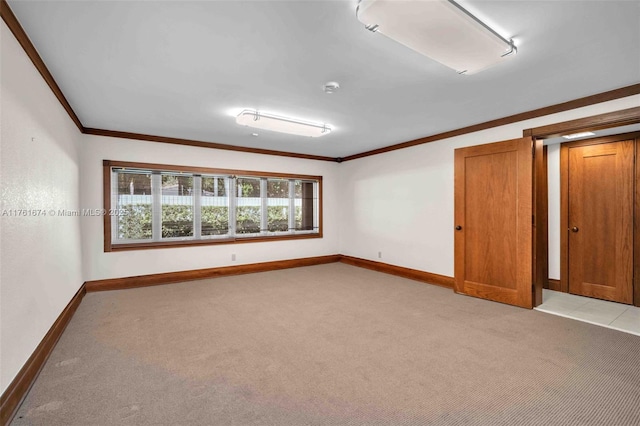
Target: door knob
{"points": [[458, 228], [574, 229]]}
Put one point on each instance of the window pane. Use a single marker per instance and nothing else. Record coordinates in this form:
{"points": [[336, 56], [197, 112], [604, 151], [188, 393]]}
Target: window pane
{"points": [[215, 206], [177, 206], [133, 198], [248, 210], [277, 205], [306, 203]]}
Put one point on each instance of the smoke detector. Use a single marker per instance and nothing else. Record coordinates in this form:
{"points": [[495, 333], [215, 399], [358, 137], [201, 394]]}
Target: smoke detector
{"points": [[331, 87]]}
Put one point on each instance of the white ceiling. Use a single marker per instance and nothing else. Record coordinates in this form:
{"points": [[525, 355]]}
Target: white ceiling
{"points": [[182, 68]]}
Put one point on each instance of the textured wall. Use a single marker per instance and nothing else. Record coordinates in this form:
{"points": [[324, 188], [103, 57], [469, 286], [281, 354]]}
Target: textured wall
{"points": [[40, 256]]}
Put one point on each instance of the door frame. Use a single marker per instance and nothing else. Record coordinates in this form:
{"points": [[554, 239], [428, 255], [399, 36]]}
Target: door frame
{"points": [[596, 122], [564, 199]]}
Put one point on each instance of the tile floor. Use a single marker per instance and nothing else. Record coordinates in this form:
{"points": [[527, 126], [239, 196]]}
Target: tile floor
{"points": [[600, 312]]}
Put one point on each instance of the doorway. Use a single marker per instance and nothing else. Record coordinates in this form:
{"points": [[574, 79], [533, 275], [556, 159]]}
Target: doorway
{"points": [[615, 123]]}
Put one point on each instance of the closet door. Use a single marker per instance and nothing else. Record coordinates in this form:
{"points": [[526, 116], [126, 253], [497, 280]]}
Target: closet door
{"points": [[600, 220], [494, 221]]}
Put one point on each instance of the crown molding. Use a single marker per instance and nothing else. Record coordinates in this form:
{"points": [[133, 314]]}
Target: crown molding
{"points": [[200, 144]]}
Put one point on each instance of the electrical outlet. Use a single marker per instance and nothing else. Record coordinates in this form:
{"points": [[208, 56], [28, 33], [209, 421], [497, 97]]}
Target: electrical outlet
{"points": [[233, 257], [379, 255]]}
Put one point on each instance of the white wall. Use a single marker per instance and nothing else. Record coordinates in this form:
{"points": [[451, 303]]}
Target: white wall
{"points": [[402, 202], [553, 173], [40, 256], [100, 265]]}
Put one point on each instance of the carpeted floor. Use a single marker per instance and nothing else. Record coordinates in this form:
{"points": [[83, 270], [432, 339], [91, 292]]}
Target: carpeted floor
{"points": [[329, 345]]}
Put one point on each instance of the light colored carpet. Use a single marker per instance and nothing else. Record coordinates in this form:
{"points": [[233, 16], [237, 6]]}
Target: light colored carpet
{"points": [[329, 345]]}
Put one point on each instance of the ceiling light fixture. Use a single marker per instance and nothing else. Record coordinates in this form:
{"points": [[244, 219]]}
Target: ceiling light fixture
{"points": [[578, 135], [294, 126], [440, 29]]}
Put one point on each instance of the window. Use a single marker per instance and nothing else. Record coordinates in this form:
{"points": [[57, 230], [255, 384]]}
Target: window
{"points": [[249, 206], [150, 205], [134, 202], [176, 205], [278, 205], [214, 206]]}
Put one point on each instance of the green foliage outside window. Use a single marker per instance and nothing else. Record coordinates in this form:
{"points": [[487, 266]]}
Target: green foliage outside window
{"points": [[249, 187], [247, 219], [135, 223], [215, 220], [177, 221], [277, 188], [277, 218], [298, 217]]}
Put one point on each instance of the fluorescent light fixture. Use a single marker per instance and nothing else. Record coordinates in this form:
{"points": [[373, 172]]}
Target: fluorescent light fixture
{"points": [[578, 135], [294, 126], [440, 29]]}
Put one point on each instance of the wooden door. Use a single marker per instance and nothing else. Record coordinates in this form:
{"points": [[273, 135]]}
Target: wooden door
{"points": [[600, 220], [493, 221]]}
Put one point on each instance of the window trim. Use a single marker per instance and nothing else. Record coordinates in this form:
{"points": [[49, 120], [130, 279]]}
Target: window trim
{"points": [[107, 218]]}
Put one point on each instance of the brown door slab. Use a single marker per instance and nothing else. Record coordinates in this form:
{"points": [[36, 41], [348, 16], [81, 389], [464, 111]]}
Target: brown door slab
{"points": [[600, 220], [493, 215]]}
